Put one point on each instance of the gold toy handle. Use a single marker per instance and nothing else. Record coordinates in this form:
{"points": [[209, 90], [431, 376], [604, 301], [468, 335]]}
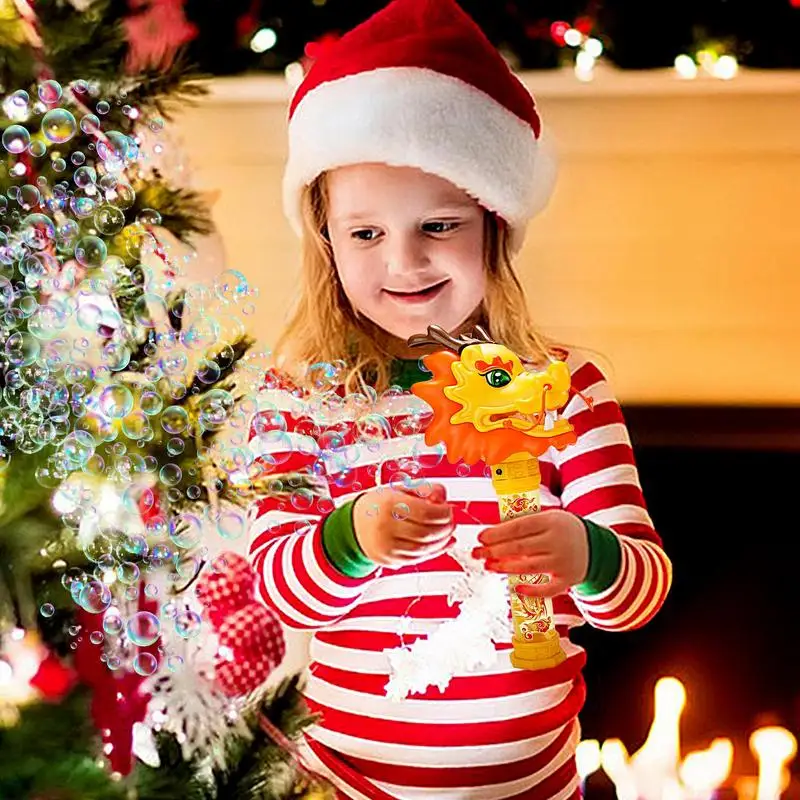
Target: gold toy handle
{"points": [[535, 641]]}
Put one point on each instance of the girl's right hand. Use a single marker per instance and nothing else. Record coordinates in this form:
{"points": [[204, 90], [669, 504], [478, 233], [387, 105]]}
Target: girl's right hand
{"points": [[397, 527]]}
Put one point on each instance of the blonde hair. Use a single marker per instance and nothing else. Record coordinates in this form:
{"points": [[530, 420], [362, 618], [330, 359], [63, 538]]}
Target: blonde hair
{"points": [[324, 328]]}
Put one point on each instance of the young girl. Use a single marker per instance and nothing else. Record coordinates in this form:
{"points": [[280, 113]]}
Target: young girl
{"points": [[415, 163]]}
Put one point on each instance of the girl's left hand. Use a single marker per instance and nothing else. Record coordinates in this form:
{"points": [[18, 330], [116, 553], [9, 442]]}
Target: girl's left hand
{"points": [[552, 542]]}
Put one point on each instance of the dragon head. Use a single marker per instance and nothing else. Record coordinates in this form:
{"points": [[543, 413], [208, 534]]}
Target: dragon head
{"points": [[486, 405]]}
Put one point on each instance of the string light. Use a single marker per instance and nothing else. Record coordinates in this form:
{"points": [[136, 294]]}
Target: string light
{"points": [[723, 67], [584, 66], [573, 37], [294, 74], [594, 47], [263, 39]]}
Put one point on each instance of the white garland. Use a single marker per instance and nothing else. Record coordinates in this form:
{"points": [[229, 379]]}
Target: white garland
{"points": [[460, 645]]}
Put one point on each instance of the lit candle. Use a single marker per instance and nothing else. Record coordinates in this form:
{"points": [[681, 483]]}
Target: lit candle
{"points": [[587, 760], [655, 771], [774, 748]]}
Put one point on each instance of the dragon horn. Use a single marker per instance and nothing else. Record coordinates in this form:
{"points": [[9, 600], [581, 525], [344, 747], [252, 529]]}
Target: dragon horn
{"points": [[435, 335]]}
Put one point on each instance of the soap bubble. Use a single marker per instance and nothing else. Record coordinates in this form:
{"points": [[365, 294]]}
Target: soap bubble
{"points": [[78, 447], [151, 403], [174, 419], [231, 525], [84, 176], [58, 125], [91, 251], [37, 231], [170, 474], [16, 139], [186, 531], [136, 425], [47, 610], [174, 663], [145, 664], [95, 597], [22, 349], [215, 409], [231, 286], [128, 573], [113, 624], [109, 220], [143, 628], [50, 92], [188, 624], [29, 197], [401, 511], [116, 401], [90, 123]]}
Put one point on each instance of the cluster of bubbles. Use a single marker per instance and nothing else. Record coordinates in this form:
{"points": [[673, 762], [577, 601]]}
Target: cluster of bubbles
{"points": [[95, 384], [358, 424]]}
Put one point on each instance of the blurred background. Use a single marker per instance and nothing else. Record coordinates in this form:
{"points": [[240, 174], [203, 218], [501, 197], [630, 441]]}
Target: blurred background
{"points": [[671, 247]]}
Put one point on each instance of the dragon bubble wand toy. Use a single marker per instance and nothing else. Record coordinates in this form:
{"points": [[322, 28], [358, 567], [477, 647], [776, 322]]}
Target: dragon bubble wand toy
{"points": [[488, 407]]}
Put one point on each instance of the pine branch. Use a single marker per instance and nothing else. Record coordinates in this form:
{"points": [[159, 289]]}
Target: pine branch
{"points": [[183, 211], [164, 89], [89, 45], [259, 769], [174, 778], [52, 752]]}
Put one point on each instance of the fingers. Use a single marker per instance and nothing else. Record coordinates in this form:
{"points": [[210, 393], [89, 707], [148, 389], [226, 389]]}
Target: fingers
{"points": [[422, 511], [413, 553], [424, 534], [535, 546], [517, 528], [519, 565], [549, 589]]}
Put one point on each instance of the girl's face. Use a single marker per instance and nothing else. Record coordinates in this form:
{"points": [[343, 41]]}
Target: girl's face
{"points": [[408, 247]]}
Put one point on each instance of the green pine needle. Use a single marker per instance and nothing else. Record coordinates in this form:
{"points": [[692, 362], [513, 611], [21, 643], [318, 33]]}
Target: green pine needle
{"points": [[53, 751]]}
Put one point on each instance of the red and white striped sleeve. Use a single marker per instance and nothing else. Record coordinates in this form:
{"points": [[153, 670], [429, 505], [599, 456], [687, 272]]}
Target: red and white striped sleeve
{"points": [[600, 482], [295, 576]]}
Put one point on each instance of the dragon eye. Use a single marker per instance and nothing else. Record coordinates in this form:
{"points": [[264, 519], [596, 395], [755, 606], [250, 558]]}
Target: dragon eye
{"points": [[497, 377]]}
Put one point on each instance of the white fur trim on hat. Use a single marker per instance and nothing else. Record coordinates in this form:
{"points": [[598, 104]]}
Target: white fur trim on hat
{"points": [[416, 117]]}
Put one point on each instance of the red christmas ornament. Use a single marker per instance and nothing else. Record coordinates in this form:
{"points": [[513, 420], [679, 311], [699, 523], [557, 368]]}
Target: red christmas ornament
{"points": [[557, 31], [53, 680], [229, 586], [251, 646], [584, 25], [118, 701], [149, 505]]}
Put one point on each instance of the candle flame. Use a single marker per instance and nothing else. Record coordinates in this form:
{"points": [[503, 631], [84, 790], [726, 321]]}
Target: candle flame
{"points": [[774, 747], [662, 745], [655, 771], [704, 771], [587, 758], [615, 762]]}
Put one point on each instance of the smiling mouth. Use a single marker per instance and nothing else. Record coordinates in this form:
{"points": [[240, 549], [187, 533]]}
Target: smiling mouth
{"points": [[420, 293]]}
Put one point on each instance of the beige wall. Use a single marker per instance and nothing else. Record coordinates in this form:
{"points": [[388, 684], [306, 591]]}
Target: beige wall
{"points": [[671, 244]]}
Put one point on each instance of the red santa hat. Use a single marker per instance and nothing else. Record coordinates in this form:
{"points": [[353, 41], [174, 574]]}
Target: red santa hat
{"points": [[420, 85]]}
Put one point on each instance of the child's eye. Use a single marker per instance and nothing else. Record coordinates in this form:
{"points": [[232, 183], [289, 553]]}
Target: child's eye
{"points": [[365, 234], [439, 227]]}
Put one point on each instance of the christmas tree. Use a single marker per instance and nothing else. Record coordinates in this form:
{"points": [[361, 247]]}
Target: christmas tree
{"points": [[126, 398]]}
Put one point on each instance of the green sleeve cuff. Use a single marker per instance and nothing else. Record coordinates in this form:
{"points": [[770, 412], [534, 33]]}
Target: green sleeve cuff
{"points": [[341, 546], [605, 559]]}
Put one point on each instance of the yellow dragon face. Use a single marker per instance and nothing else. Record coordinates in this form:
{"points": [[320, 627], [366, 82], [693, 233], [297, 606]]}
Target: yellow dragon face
{"points": [[487, 406]]}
